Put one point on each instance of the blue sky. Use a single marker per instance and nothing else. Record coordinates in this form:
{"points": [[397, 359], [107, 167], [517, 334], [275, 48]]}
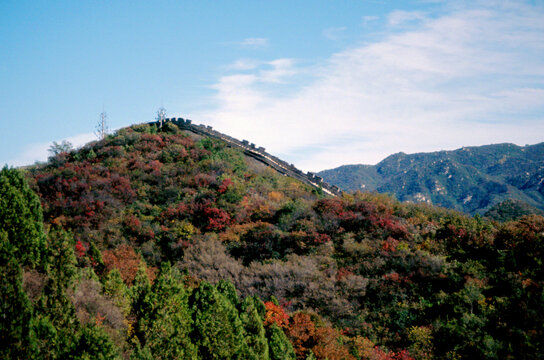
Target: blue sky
{"points": [[318, 83]]}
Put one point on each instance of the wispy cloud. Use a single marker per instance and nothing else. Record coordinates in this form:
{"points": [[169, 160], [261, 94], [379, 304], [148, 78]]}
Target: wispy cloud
{"points": [[473, 75], [400, 17], [254, 42], [243, 64], [334, 33], [367, 19]]}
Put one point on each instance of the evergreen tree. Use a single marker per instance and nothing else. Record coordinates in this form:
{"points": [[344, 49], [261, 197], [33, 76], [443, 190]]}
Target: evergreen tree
{"points": [[167, 323], [141, 354], [115, 288], [93, 343], [15, 308], [56, 324], [218, 331], [280, 347], [142, 303], [228, 290], [21, 218], [96, 259], [255, 338], [21, 244]]}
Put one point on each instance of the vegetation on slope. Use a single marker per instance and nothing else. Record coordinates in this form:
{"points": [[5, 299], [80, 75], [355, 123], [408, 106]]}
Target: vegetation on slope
{"points": [[158, 244], [511, 210], [471, 179]]}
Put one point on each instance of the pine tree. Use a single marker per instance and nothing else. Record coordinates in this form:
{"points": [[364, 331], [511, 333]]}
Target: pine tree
{"points": [[21, 218], [280, 347], [255, 338], [141, 304], [21, 244], [15, 308], [93, 343], [55, 315], [218, 331], [115, 288], [167, 322]]}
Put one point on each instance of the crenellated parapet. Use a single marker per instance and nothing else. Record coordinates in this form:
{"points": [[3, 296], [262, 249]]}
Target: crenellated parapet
{"points": [[258, 153]]}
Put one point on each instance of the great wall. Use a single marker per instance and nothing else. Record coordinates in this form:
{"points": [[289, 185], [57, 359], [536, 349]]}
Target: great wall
{"points": [[258, 153]]}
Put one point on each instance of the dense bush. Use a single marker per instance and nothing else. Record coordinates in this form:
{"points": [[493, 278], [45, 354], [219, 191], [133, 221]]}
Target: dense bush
{"points": [[313, 277]]}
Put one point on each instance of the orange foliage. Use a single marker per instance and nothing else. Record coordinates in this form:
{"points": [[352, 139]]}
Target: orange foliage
{"points": [[275, 314], [329, 345], [275, 196], [301, 332], [126, 260], [362, 347]]}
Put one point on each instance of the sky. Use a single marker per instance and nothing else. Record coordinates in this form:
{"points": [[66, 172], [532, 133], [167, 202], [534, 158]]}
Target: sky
{"points": [[317, 83]]}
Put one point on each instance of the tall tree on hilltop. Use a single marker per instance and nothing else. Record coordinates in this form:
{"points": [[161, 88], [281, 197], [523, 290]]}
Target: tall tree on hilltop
{"points": [[102, 126], [161, 116]]}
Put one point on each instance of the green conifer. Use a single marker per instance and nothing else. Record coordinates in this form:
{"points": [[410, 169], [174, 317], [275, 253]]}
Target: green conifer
{"points": [[21, 218], [255, 335], [115, 288], [280, 347], [168, 321], [15, 311], [93, 343], [218, 331]]}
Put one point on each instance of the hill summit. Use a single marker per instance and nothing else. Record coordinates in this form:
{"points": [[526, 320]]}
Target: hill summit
{"points": [[159, 242]]}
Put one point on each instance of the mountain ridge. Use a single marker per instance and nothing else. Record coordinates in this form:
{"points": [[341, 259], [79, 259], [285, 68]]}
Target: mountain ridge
{"points": [[470, 179]]}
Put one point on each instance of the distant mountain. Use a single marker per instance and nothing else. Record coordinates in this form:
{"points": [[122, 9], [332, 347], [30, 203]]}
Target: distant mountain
{"points": [[470, 179]]}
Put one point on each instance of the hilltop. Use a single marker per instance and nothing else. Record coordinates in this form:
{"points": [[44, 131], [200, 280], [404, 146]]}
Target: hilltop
{"points": [[169, 242], [470, 179]]}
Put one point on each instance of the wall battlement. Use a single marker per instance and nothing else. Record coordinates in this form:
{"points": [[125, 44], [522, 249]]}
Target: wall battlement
{"points": [[258, 153]]}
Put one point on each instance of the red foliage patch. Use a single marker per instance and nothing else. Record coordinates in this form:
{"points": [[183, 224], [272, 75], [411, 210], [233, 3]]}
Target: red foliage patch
{"points": [[275, 314], [80, 249], [390, 245], [225, 185], [218, 219]]}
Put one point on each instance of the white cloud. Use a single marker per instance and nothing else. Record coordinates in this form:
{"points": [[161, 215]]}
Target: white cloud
{"points": [[243, 64], [471, 76], [400, 17], [254, 42]]}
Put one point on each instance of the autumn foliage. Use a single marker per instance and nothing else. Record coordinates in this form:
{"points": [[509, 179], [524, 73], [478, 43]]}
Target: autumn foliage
{"points": [[359, 276]]}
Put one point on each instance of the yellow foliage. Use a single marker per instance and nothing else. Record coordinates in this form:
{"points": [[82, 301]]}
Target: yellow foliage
{"points": [[275, 196]]}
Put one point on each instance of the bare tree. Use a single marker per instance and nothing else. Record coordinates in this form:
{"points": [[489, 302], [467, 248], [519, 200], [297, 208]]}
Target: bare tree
{"points": [[102, 126], [161, 115]]}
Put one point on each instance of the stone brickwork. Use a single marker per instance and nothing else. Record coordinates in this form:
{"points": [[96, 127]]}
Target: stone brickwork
{"points": [[258, 153]]}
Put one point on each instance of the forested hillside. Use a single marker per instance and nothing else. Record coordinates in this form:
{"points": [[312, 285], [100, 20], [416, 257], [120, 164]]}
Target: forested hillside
{"points": [[160, 244], [471, 179]]}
